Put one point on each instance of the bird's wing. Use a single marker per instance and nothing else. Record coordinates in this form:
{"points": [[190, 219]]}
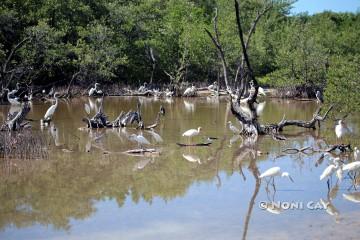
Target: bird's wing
{"points": [[50, 112]]}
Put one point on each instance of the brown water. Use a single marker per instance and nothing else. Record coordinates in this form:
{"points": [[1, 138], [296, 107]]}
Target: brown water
{"points": [[89, 189]]}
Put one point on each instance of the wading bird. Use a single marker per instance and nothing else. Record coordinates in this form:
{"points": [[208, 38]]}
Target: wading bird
{"points": [[140, 139], [213, 87], [168, 93], [50, 112], [261, 91], [191, 133], [12, 99], [95, 91], [341, 129], [234, 129], [330, 170], [143, 88], [190, 91], [275, 171], [319, 97]]}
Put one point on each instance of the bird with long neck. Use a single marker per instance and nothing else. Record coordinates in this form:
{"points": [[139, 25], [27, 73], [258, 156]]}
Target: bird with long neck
{"points": [[50, 112], [191, 133]]}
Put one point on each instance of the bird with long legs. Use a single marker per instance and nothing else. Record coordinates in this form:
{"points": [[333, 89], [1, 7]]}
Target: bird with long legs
{"points": [[50, 112], [140, 139], [191, 133], [273, 172]]}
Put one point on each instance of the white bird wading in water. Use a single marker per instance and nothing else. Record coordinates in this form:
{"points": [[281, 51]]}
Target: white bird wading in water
{"points": [[50, 112], [274, 172], [191, 133]]}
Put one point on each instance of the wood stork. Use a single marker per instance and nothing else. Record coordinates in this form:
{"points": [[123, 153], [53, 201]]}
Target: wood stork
{"points": [[275, 171], [50, 112], [191, 133], [234, 129]]}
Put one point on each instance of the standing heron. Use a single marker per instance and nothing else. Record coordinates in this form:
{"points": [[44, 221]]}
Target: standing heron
{"points": [[341, 129], [191, 133], [50, 112], [319, 97], [95, 91], [140, 139], [274, 172], [12, 99]]}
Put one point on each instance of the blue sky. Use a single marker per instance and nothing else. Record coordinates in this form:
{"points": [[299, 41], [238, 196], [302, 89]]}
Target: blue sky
{"points": [[315, 6]]}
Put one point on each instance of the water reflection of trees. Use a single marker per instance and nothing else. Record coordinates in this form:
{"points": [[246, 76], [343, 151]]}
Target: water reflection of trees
{"points": [[51, 192]]}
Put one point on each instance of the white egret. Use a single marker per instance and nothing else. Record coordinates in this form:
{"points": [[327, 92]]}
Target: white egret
{"points": [[341, 129], [261, 91], [213, 87], [140, 139], [353, 197], [329, 171], [50, 112], [353, 166], [234, 129], [319, 97], [275, 171], [190, 91], [192, 158], [168, 93], [13, 100], [191, 133], [95, 90]]}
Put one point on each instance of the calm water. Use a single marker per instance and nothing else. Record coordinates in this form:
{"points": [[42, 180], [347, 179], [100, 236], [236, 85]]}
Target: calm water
{"points": [[95, 191]]}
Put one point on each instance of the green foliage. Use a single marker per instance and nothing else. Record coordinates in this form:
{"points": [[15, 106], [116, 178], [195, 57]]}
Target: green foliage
{"points": [[111, 41], [344, 83]]}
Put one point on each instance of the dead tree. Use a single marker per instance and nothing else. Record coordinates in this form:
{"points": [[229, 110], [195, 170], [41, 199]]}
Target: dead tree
{"points": [[248, 117]]}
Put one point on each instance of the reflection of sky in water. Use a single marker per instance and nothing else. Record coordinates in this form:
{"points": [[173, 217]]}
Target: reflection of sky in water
{"points": [[206, 211]]}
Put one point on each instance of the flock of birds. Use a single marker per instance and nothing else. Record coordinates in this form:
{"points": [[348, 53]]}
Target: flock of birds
{"points": [[20, 94]]}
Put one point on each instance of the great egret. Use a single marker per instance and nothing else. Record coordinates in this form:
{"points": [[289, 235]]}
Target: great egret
{"points": [[275, 171], [50, 112], [213, 87], [234, 129], [341, 129], [143, 87], [319, 97], [13, 100], [140, 139], [168, 93], [95, 91], [352, 166], [191, 133], [261, 91], [329, 171], [190, 91]]}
